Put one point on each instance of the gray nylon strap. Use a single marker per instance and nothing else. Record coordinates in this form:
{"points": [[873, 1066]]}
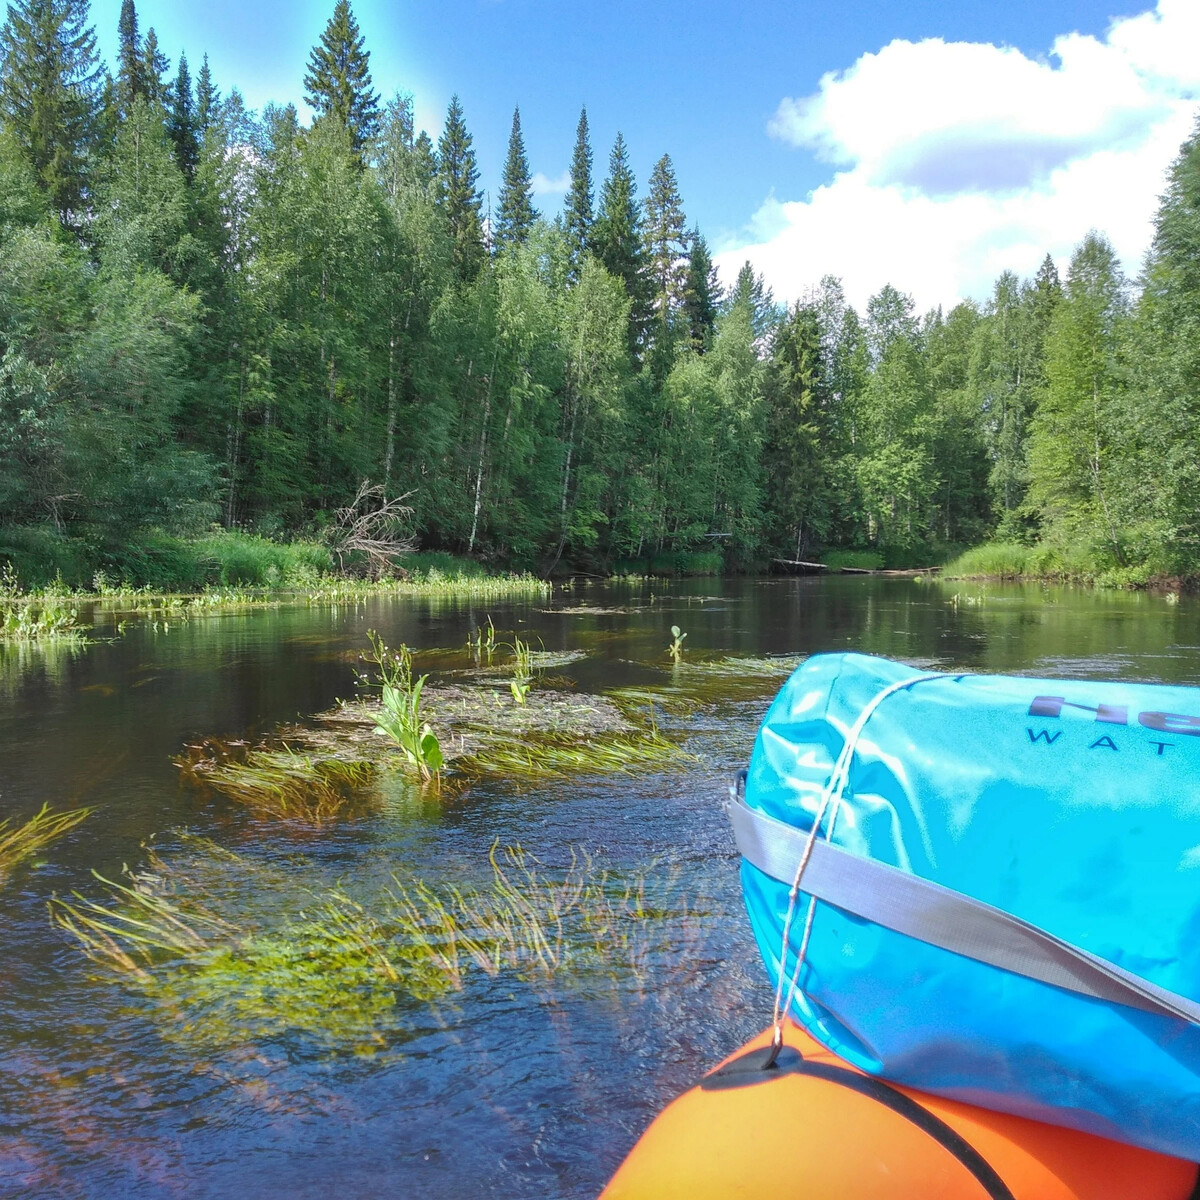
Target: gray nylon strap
{"points": [[941, 917]]}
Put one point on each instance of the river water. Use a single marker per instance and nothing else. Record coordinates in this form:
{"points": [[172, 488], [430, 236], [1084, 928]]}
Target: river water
{"points": [[512, 1087]]}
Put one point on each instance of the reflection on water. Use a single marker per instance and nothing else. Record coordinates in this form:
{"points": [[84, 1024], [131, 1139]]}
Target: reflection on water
{"points": [[516, 1083]]}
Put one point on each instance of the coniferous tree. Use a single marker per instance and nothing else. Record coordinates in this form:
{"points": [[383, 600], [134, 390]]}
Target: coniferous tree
{"points": [[155, 66], [517, 213], [617, 239], [338, 79], [751, 289], [208, 98], [797, 403], [1078, 431], [425, 164], [181, 122], [131, 81], [577, 207], [665, 239], [50, 96], [457, 175], [702, 298]]}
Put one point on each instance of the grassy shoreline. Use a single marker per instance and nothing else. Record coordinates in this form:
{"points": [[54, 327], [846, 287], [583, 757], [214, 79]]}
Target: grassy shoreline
{"points": [[1012, 562]]}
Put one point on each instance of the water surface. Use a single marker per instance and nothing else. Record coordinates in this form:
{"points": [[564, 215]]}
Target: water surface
{"points": [[511, 1087]]}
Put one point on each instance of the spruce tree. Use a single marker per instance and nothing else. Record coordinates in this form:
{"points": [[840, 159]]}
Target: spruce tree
{"points": [[181, 122], [50, 96], [751, 289], [457, 176], [665, 239], [617, 239], [338, 79], [577, 208], [425, 165], [517, 213], [208, 98], [702, 299], [155, 66], [131, 80]]}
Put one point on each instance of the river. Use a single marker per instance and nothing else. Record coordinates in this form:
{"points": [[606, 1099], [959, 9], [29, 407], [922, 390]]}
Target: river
{"points": [[511, 1086]]}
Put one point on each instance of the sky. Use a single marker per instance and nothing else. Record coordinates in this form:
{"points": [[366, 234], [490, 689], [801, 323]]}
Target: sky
{"points": [[930, 144]]}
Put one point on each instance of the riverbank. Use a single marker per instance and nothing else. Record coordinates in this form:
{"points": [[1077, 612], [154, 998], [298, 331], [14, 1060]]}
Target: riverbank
{"points": [[1014, 562], [56, 611]]}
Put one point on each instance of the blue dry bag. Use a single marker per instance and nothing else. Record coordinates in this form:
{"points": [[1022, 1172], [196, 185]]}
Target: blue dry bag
{"points": [[1005, 887]]}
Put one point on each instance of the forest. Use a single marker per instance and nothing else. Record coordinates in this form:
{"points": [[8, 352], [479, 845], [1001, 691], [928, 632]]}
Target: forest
{"points": [[218, 323]]}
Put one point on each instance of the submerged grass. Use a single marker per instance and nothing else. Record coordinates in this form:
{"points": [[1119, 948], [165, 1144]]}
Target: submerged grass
{"points": [[20, 842], [281, 784], [551, 756], [336, 970]]}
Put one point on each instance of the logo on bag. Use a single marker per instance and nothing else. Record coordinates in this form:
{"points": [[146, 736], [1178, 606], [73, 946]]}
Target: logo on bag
{"points": [[1109, 714]]}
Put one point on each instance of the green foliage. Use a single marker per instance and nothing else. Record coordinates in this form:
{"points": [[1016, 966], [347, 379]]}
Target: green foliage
{"points": [[237, 319], [862, 560]]}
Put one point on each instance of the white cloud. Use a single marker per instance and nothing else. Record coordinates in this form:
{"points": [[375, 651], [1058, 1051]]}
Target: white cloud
{"points": [[543, 185], [957, 160]]}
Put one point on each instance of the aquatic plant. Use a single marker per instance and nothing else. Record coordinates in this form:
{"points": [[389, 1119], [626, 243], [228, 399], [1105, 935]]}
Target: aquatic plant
{"points": [[399, 716], [675, 649], [522, 679], [483, 643], [279, 783], [561, 755], [20, 842], [43, 615], [228, 952]]}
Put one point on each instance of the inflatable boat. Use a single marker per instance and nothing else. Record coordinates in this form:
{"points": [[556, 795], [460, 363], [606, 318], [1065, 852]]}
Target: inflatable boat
{"points": [[815, 1128], [978, 902]]}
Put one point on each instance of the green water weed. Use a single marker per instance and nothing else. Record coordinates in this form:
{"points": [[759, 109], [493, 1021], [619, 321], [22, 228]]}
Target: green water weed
{"points": [[18, 843]]}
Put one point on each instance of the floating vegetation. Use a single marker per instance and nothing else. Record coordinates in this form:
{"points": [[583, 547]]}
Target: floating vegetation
{"points": [[745, 666], [19, 843], [551, 756], [697, 683], [279, 783], [228, 952]]}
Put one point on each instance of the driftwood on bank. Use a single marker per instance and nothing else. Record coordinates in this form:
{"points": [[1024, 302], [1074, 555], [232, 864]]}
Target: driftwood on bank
{"points": [[794, 566]]}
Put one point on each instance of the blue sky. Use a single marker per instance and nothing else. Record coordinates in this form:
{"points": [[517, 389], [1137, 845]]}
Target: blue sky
{"points": [[734, 93]]}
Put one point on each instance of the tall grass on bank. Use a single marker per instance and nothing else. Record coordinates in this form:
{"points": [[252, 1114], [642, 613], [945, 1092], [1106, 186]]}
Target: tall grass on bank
{"points": [[43, 615], [996, 560], [20, 842]]}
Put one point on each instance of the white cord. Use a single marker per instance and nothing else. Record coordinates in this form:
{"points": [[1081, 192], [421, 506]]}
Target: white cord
{"points": [[831, 797]]}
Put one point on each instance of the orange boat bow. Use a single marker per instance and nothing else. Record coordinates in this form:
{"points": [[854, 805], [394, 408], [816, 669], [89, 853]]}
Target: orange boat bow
{"points": [[818, 1129]]}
